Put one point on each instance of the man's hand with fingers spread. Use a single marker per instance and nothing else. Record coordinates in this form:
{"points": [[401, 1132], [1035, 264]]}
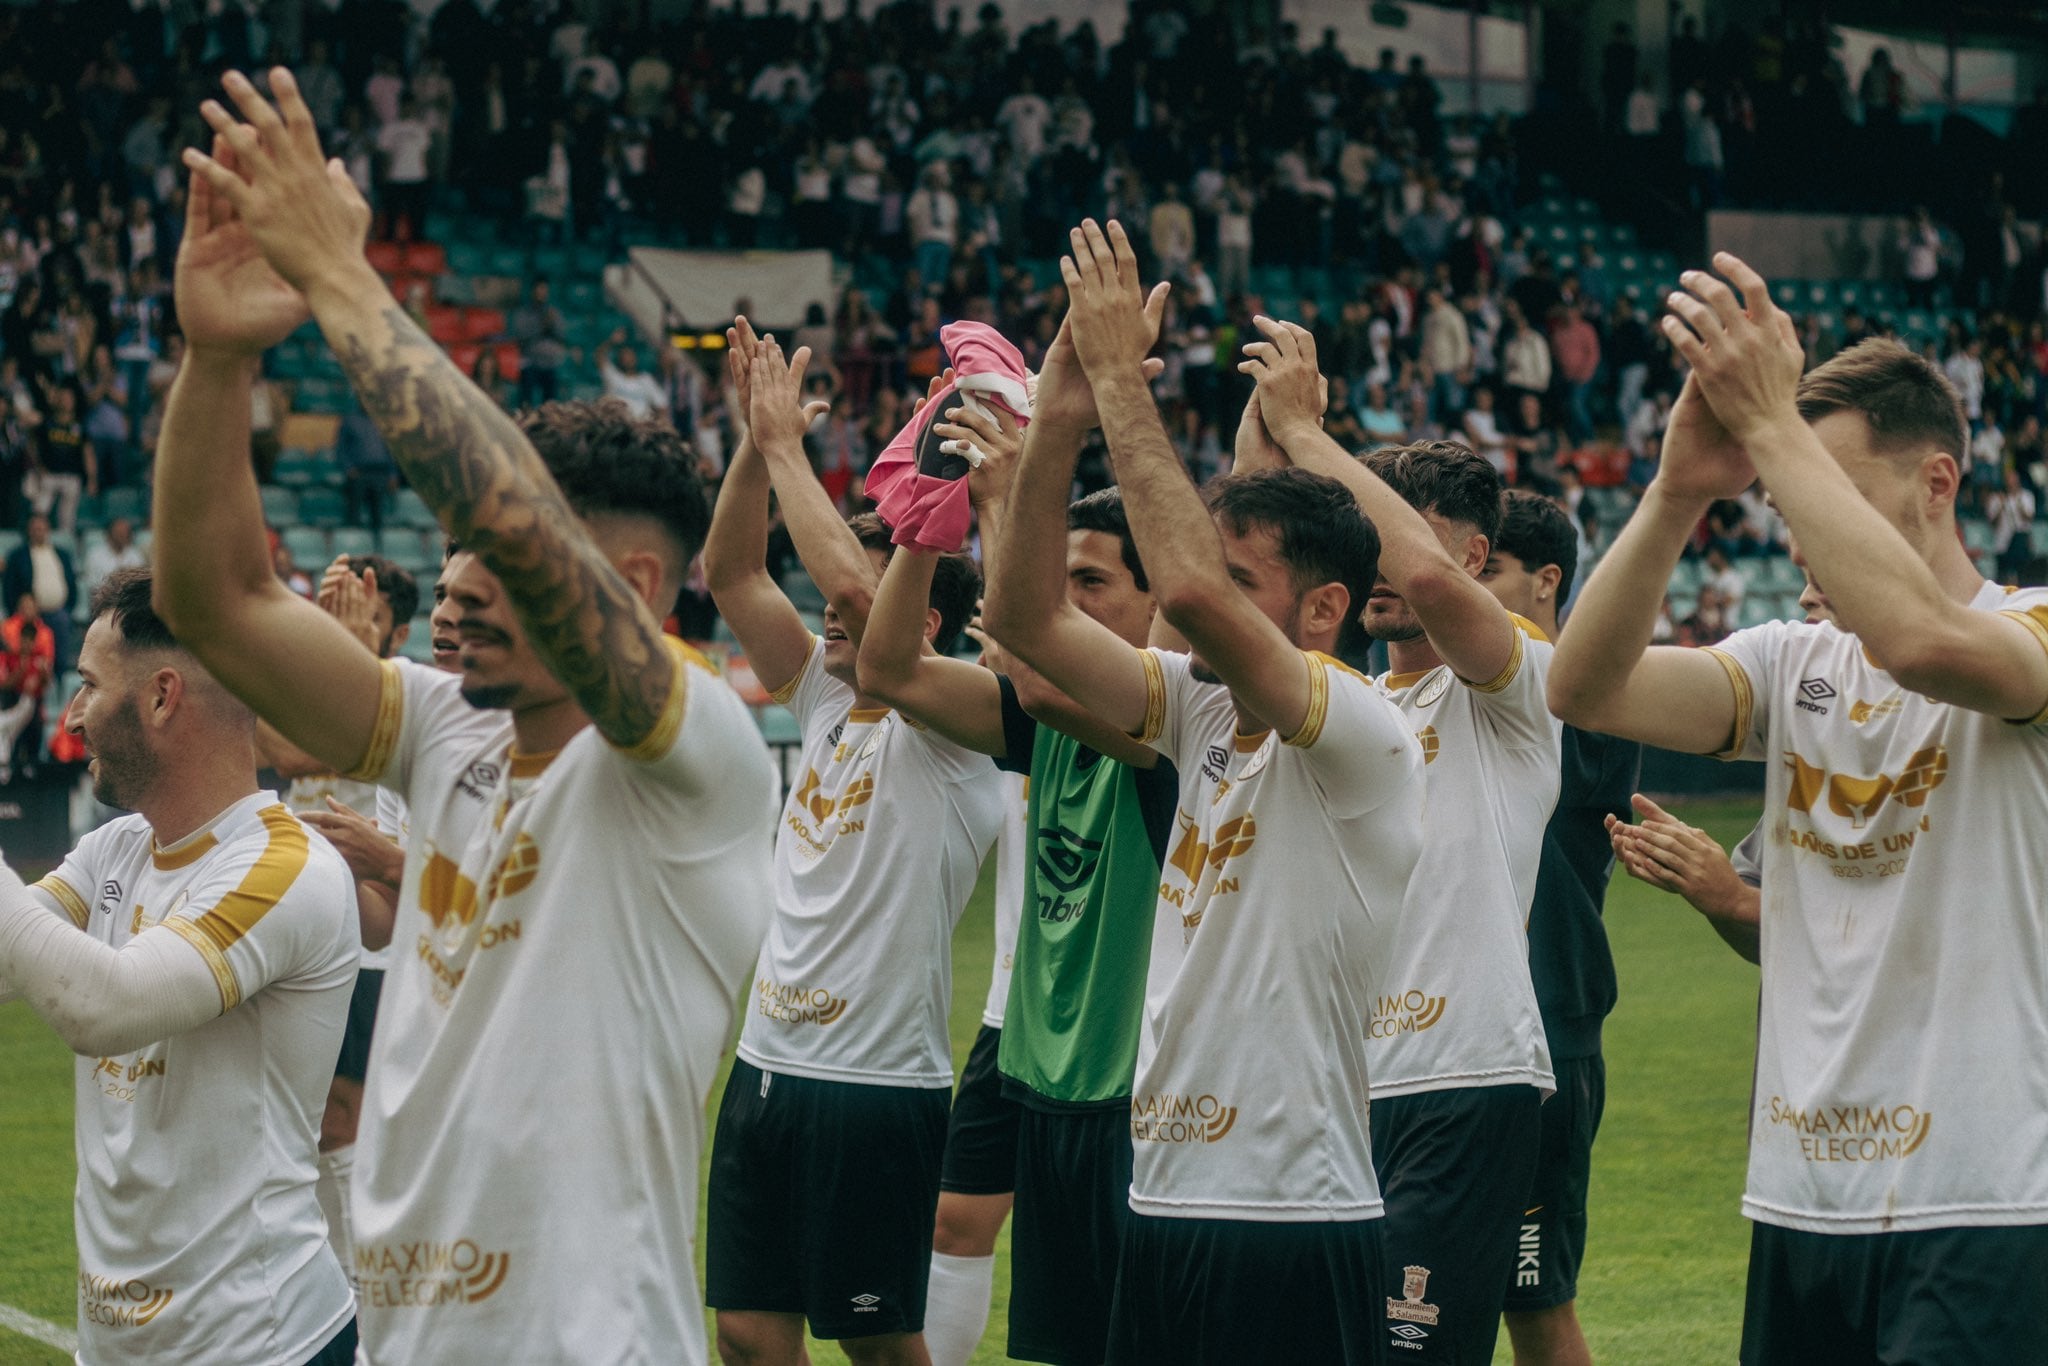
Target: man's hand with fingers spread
{"points": [[741, 347], [229, 299], [370, 854], [1291, 393], [1744, 351], [777, 415], [302, 210], [1108, 312], [1064, 400]]}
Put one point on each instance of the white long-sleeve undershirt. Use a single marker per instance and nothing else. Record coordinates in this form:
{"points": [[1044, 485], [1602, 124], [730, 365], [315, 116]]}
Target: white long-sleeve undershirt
{"points": [[102, 1001]]}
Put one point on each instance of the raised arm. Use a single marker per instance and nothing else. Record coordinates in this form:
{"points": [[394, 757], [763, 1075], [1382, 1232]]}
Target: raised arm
{"points": [[1465, 623], [1606, 676], [1914, 620], [777, 419], [736, 551], [215, 585], [959, 700], [1177, 538], [1025, 604], [458, 449]]}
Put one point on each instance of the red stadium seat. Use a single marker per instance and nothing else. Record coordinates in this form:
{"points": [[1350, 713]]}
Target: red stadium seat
{"points": [[387, 258], [426, 258], [464, 355], [482, 324], [445, 325], [508, 359]]}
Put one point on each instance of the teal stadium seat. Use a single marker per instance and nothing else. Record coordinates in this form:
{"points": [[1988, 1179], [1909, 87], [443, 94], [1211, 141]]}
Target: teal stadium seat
{"points": [[308, 545], [280, 505], [322, 507]]}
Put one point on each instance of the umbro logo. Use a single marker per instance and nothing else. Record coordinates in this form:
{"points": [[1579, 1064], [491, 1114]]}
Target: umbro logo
{"points": [[1065, 859], [1408, 1331], [866, 1304], [1812, 692], [1214, 762], [479, 781], [110, 897]]}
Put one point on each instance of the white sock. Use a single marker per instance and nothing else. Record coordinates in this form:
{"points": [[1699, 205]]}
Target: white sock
{"points": [[337, 1169], [956, 1307]]}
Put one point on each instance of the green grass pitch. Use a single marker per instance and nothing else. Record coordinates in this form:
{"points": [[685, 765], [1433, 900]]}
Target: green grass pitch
{"points": [[1664, 1266]]}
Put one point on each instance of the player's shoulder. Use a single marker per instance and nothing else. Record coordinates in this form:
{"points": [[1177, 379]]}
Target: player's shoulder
{"points": [[120, 840], [266, 835], [2030, 602]]}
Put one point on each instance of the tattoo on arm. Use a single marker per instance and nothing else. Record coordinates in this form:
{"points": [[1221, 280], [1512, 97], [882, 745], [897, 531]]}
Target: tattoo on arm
{"points": [[467, 458]]}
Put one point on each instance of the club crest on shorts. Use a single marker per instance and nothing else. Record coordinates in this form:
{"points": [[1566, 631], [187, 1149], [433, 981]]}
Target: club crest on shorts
{"points": [[1411, 1308]]}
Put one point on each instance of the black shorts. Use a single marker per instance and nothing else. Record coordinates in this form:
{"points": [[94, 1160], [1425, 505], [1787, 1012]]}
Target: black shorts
{"points": [[354, 1061], [981, 1134], [1976, 1295], [1073, 1199], [1550, 1239], [821, 1200], [1224, 1292], [1455, 1169]]}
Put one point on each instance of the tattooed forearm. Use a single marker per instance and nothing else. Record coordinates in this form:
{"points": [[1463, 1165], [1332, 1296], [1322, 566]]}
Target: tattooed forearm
{"points": [[469, 461]]}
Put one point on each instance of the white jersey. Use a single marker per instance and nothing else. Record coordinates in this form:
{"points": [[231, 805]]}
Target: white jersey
{"points": [[880, 845], [1457, 1007], [571, 935], [1284, 880], [1013, 848], [367, 800], [199, 1237], [1901, 1081]]}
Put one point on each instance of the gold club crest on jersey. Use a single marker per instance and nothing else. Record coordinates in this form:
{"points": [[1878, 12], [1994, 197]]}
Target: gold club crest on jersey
{"points": [[1411, 1308]]}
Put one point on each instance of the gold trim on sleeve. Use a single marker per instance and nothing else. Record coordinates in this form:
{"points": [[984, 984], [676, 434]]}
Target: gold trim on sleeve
{"points": [[225, 922], [1318, 704], [1508, 670], [788, 690], [67, 897], [1155, 697], [2035, 619], [223, 975], [662, 738], [1745, 700], [384, 734]]}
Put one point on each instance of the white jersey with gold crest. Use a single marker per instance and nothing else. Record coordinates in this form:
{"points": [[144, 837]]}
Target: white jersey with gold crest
{"points": [[1282, 885], [199, 1237], [567, 954], [1013, 849], [1902, 1078], [880, 845], [1456, 1007]]}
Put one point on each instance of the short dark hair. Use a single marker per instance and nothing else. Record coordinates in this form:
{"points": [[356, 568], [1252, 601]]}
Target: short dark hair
{"points": [[1444, 477], [956, 581], [395, 584], [1536, 531], [1906, 401], [1103, 511], [123, 598], [1323, 536], [607, 461]]}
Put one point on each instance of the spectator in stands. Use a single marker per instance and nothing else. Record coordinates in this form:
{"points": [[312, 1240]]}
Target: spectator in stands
{"points": [[1725, 579], [16, 454], [65, 465], [1882, 91], [369, 477], [116, 550], [642, 393], [1575, 350], [404, 142], [2010, 510], [39, 573], [1646, 423], [537, 326], [1965, 370], [28, 665], [933, 214], [485, 374], [1446, 355], [1920, 248], [1479, 428], [1525, 356], [1710, 622], [1383, 425]]}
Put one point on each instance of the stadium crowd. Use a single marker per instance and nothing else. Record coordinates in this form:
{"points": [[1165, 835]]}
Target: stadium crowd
{"points": [[1293, 1047]]}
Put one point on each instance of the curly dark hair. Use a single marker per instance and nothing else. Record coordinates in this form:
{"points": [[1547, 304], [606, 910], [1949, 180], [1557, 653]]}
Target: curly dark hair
{"points": [[956, 582], [1323, 536], [1443, 477], [607, 461], [395, 585]]}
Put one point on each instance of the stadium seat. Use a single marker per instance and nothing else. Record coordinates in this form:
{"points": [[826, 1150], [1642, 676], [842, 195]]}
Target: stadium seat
{"points": [[425, 258], [321, 507], [352, 540], [552, 263], [508, 261], [802, 593], [444, 324], [482, 324], [280, 505], [308, 545], [386, 258], [410, 510], [125, 500], [469, 258]]}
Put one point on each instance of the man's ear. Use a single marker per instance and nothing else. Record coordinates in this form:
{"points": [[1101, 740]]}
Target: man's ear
{"points": [[1547, 580], [642, 569], [166, 692], [1324, 608]]}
